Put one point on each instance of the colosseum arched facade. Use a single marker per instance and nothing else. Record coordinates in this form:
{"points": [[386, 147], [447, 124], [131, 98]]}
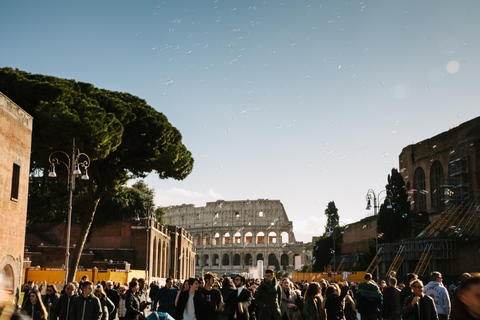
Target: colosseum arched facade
{"points": [[233, 236]]}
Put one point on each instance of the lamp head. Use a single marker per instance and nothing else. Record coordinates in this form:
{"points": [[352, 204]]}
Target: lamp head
{"points": [[52, 174], [369, 206]]}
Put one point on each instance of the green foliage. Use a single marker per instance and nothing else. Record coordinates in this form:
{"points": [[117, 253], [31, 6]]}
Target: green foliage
{"points": [[332, 216], [393, 223], [322, 253]]}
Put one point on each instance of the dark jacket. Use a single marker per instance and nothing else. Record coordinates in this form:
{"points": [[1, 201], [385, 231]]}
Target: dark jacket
{"points": [[335, 305], [245, 298], [210, 301], [166, 300], [182, 302], [226, 290], [114, 296], [53, 299], [268, 299], [34, 311], [86, 308], [368, 298], [132, 304], [107, 308], [64, 304], [427, 309], [391, 302], [312, 308]]}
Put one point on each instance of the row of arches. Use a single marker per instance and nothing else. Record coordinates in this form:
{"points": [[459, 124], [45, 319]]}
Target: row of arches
{"points": [[237, 260], [435, 187], [238, 238]]}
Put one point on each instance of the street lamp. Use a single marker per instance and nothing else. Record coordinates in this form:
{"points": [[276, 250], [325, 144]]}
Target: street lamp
{"points": [[73, 164], [372, 196]]}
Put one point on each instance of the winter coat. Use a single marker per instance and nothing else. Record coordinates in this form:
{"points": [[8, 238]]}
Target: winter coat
{"points": [[132, 304], [107, 308], [63, 307], [368, 298], [86, 308], [427, 309], [269, 298], [312, 308]]}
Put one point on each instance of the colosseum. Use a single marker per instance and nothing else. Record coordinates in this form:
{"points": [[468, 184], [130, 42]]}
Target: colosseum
{"points": [[241, 236]]}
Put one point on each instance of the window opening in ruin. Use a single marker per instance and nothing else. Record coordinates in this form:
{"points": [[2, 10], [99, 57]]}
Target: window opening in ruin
{"points": [[284, 261], [419, 192], [272, 237], [206, 240], [15, 182], [259, 257], [197, 258], [197, 240], [237, 215], [284, 236], [215, 215], [272, 260], [260, 214], [436, 180], [216, 260], [249, 237], [248, 259], [216, 240], [237, 238], [260, 238], [226, 238], [225, 260], [198, 216], [206, 258], [236, 260]]}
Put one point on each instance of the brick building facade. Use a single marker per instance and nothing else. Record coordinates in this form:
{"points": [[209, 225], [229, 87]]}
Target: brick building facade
{"points": [[15, 148], [141, 245]]}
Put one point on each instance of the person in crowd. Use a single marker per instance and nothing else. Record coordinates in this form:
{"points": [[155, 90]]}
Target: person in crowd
{"points": [[185, 287], [335, 301], [154, 287], [419, 306], [369, 299], [239, 300], [122, 308], [114, 296], [164, 300], [269, 297], [34, 307], [211, 298], [142, 294], [312, 303], [189, 304], [383, 285], [201, 283], [350, 306], [407, 291], [50, 300], [466, 301], [391, 301], [107, 305], [290, 300], [86, 306], [440, 295], [132, 302], [226, 290], [62, 308], [323, 286]]}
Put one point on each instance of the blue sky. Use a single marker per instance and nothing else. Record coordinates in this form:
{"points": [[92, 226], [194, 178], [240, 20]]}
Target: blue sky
{"points": [[302, 101]]}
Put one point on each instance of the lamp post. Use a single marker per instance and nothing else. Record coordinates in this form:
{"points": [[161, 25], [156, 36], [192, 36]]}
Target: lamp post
{"points": [[372, 196], [72, 164]]}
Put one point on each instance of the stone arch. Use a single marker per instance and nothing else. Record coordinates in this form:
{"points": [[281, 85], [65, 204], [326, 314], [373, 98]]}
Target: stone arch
{"points": [[216, 239], [284, 260], [197, 260], [419, 192], [206, 259], [272, 258], [206, 239], [8, 277], [236, 259], [436, 180], [216, 260], [237, 238], [197, 240], [155, 258], [259, 256], [260, 238], [285, 237], [272, 237], [225, 260], [226, 238], [248, 237], [248, 259]]}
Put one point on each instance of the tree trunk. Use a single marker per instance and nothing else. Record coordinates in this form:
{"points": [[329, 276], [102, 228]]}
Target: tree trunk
{"points": [[94, 199]]}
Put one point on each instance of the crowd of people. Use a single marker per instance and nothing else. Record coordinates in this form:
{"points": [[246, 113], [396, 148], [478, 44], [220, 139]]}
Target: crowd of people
{"points": [[240, 298]]}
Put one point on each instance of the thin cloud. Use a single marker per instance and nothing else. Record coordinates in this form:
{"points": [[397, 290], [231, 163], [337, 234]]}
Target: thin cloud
{"points": [[178, 196]]}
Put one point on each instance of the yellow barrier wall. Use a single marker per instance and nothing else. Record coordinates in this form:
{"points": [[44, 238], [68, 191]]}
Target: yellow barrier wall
{"points": [[309, 277], [56, 275]]}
